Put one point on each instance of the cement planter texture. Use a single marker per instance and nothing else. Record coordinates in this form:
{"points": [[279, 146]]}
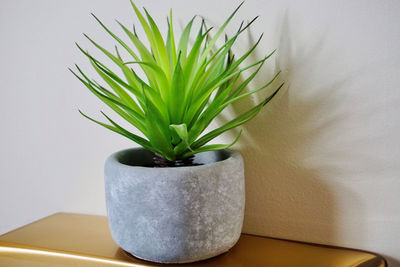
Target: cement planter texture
{"points": [[177, 214]]}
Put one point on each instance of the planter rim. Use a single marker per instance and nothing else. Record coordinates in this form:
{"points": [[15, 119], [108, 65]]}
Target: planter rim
{"points": [[230, 156]]}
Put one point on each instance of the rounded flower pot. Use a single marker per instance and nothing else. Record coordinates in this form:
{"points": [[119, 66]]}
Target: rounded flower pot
{"points": [[176, 214]]}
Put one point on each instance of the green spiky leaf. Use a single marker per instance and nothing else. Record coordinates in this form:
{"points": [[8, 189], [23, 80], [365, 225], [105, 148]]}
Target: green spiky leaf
{"points": [[187, 81]]}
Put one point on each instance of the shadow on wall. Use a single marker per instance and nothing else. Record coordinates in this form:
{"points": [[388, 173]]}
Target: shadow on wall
{"points": [[286, 198]]}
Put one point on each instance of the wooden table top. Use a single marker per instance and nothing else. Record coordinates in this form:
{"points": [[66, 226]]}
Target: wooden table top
{"points": [[66, 239]]}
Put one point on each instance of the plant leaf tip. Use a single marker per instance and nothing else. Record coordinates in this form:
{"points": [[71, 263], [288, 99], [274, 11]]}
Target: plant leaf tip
{"points": [[71, 71]]}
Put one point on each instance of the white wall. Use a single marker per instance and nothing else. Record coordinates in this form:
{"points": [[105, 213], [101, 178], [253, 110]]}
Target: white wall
{"points": [[322, 161]]}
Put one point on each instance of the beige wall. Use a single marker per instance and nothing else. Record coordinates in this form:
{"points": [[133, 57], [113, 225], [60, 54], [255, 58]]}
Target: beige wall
{"points": [[322, 161]]}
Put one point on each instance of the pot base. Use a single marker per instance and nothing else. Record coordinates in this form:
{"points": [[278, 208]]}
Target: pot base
{"points": [[216, 254]]}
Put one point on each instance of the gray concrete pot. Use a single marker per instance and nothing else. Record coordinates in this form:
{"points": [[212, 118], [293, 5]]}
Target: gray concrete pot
{"points": [[177, 214]]}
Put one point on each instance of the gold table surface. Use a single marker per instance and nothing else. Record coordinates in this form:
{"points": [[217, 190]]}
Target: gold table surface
{"points": [[66, 239]]}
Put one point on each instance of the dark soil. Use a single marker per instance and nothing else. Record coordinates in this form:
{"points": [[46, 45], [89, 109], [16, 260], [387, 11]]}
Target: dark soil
{"points": [[162, 162]]}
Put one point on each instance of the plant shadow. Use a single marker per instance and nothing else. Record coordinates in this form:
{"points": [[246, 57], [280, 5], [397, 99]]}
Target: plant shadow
{"points": [[287, 197]]}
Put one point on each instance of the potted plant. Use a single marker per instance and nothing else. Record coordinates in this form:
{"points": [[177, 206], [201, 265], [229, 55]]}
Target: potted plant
{"points": [[177, 198]]}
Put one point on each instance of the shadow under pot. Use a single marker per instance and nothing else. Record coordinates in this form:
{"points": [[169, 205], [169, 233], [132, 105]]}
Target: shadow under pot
{"points": [[175, 214]]}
